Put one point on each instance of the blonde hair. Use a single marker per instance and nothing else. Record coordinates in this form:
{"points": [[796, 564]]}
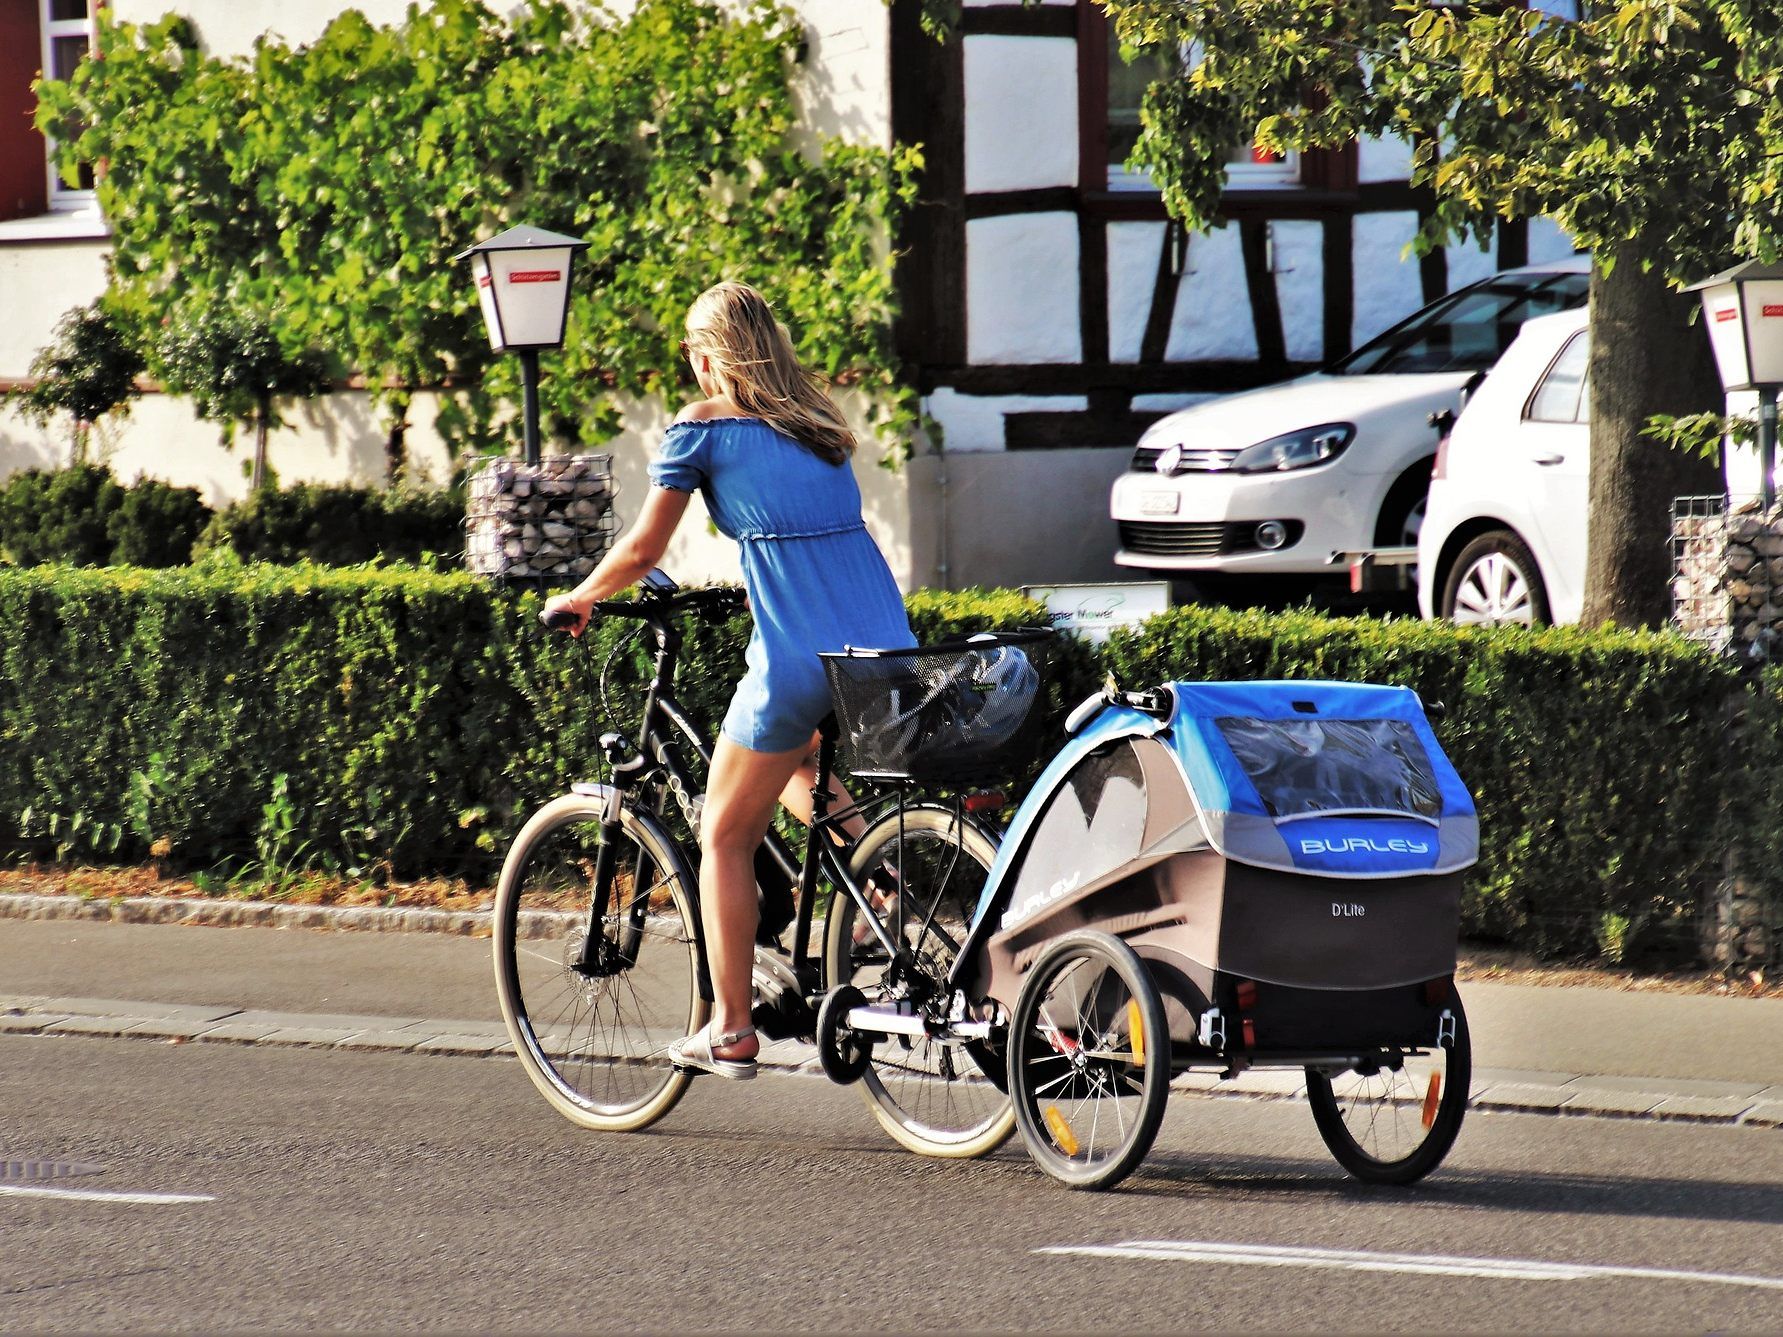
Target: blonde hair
{"points": [[754, 366]]}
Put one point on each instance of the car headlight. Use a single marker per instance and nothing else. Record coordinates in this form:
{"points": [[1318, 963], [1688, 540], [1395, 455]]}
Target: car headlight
{"points": [[1295, 450]]}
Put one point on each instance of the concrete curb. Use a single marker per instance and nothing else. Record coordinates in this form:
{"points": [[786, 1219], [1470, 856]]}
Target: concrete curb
{"points": [[1726, 1104], [245, 914]]}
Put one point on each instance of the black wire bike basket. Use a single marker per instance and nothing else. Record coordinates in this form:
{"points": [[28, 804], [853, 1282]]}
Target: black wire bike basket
{"points": [[937, 713]]}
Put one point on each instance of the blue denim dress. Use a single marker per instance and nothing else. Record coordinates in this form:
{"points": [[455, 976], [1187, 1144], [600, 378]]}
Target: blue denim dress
{"points": [[816, 579]]}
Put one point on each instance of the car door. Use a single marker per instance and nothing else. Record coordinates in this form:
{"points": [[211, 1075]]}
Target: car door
{"points": [[1553, 452]]}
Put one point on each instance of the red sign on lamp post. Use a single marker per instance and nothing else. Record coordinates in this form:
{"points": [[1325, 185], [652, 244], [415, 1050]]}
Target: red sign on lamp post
{"points": [[523, 280], [1744, 310]]}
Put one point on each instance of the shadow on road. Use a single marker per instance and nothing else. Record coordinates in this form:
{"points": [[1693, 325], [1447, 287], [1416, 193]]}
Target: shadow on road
{"points": [[1168, 1174]]}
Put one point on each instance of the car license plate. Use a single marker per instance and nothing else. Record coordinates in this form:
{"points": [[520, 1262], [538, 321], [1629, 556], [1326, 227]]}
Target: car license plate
{"points": [[1158, 503]]}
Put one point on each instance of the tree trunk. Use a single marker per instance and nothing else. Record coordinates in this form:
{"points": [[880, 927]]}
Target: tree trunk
{"points": [[1646, 358], [396, 452], [257, 479]]}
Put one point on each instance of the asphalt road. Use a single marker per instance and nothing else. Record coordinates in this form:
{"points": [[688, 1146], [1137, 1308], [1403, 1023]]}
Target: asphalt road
{"points": [[350, 1191]]}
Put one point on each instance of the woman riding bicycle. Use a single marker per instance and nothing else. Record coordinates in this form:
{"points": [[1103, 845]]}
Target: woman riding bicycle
{"points": [[769, 451]]}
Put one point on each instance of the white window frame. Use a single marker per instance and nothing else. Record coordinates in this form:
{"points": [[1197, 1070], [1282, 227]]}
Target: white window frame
{"points": [[64, 199]]}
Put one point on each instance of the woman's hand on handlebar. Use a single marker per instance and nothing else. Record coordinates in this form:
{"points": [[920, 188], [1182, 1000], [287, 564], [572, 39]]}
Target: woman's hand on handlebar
{"points": [[565, 612]]}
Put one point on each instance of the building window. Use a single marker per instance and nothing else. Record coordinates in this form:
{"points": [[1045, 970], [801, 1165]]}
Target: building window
{"points": [[67, 28], [1249, 167]]}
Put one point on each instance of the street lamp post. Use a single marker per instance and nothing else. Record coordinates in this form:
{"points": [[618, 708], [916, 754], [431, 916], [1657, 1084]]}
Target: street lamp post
{"points": [[1743, 308], [523, 285]]}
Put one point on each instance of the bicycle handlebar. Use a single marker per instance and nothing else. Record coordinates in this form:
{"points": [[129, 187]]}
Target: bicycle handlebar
{"points": [[711, 603]]}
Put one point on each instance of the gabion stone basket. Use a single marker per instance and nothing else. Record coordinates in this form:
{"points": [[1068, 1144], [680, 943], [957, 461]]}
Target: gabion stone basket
{"points": [[553, 520], [936, 713]]}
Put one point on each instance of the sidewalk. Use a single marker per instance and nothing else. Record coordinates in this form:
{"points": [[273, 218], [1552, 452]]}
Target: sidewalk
{"points": [[1575, 1050]]}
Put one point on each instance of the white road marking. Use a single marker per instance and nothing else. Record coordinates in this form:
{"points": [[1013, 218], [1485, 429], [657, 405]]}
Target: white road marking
{"points": [[99, 1195], [1446, 1265]]}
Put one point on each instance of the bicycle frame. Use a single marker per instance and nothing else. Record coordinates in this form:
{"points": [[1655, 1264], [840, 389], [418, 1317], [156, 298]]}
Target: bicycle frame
{"points": [[657, 759]]}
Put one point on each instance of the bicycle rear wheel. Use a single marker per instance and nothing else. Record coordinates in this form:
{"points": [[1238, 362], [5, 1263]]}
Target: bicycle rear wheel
{"points": [[595, 1042], [935, 1096]]}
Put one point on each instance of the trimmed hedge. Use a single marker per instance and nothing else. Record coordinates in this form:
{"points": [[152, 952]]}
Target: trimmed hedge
{"points": [[85, 517], [417, 716], [339, 526]]}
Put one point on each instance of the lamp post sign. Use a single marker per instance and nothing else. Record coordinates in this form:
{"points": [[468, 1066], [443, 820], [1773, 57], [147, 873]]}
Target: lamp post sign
{"points": [[1743, 309], [523, 282]]}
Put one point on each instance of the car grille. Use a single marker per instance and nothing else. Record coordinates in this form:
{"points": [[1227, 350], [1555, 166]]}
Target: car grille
{"points": [[1160, 539], [1194, 459]]}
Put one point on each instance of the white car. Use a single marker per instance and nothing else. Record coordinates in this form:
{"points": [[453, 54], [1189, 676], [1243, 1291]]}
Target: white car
{"points": [[1277, 480], [1503, 539]]}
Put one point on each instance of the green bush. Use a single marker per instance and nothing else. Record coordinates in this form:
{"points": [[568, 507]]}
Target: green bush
{"points": [[155, 524], [85, 517], [415, 717], [336, 525]]}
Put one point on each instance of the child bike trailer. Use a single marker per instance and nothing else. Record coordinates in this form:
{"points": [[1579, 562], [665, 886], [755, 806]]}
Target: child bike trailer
{"points": [[1228, 876]]}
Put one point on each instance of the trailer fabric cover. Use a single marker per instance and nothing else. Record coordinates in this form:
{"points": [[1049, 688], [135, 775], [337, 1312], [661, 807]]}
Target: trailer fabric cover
{"points": [[1121, 808], [1340, 779]]}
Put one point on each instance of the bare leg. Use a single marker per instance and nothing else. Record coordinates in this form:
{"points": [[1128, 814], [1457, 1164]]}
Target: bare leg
{"points": [[882, 881], [741, 793], [797, 794]]}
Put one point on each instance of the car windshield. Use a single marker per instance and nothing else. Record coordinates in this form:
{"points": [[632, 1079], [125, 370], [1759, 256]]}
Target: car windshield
{"points": [[1467, 330]]}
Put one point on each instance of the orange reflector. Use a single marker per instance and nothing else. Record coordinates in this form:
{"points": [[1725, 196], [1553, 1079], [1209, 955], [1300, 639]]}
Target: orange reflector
{"points": [[1136, 1028], [1061, 1131], [1432, 1097]]}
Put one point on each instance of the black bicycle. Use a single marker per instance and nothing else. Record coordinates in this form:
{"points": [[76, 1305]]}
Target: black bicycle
{"points": [[598, 951]]}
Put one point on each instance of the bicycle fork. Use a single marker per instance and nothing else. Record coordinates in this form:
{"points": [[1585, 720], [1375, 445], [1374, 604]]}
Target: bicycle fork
{"points": [[599, 956]]}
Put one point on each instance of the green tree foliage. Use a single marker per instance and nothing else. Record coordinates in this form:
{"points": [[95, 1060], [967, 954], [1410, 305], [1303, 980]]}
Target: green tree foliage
{"points": [[333, 181], [88, 370], [236, 369], [1647, 130]]}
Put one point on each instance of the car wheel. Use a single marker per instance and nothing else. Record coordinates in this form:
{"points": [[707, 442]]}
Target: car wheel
{"points": [[1495, 582], [1402, 510]]}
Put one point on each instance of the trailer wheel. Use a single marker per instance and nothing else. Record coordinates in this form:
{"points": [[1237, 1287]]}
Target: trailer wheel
{"points": [[1393, 1123], [1089, 1060]]}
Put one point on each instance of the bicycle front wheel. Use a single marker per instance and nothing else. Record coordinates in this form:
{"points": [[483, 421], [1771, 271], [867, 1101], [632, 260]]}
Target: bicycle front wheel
{"points": [[936, 1096], [594, 1040]]}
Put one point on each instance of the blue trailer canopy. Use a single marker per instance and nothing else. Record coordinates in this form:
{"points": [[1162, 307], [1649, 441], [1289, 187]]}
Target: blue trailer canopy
{"points": [[1339, 779]]}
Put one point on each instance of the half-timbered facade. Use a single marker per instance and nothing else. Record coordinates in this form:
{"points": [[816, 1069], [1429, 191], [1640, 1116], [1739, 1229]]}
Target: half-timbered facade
{"points": [[1051, 310]]}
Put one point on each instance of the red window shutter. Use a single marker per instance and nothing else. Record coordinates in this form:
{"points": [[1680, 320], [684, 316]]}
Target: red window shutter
{"points": [[24, 180]]}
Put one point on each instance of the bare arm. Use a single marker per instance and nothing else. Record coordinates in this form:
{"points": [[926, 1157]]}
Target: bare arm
{"points": [[629, 559]]}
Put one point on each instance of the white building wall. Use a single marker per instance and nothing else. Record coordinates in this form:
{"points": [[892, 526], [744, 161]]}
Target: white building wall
{"points": [[1467, 263], [1021, 123], [1387, 158], [1388, 286], [1213, 305], [1022, 289], [974, 423], [39, 280], [1133, 254], [1296, 252]]}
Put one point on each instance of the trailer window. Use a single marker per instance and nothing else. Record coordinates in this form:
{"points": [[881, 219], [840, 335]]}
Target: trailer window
{"points": [[1315, 767]]}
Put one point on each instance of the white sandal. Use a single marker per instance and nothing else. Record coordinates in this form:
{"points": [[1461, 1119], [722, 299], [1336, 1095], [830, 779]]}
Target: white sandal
{"points": [[695, 1052]]}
